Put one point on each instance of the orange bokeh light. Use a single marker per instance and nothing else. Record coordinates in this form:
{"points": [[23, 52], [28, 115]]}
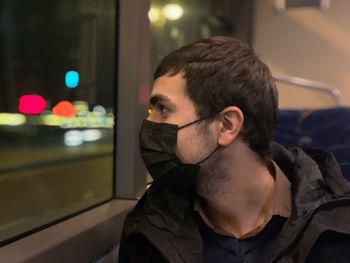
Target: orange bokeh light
{"points": [[64, 109]]}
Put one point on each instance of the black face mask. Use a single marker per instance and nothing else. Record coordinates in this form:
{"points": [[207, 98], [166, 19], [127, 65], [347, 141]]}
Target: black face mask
{"points": [[157, 146]]}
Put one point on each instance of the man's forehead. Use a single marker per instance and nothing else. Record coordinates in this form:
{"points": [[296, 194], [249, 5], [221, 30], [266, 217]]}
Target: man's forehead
{"points": [[169, 87]]}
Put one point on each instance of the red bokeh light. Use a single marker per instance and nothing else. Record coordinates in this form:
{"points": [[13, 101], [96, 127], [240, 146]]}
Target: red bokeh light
{"points": [[31, 104]]}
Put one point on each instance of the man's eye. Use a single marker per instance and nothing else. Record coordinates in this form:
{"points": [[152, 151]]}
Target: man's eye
{"points": [[162, 109]]}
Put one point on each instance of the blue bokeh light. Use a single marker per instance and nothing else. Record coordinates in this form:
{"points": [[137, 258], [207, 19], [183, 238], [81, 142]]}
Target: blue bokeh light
{"points": [[72, 79]]}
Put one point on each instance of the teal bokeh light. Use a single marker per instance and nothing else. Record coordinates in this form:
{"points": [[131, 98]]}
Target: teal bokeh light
{"points": [[72, 79]]}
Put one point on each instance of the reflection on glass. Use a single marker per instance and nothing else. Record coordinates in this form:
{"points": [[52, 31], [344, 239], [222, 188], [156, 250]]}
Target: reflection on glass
{"points": [[172, 11], [175, 23], [56, 110]]}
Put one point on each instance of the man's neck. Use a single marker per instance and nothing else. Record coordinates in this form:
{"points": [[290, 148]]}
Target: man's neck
{"points": [[237, 198]]}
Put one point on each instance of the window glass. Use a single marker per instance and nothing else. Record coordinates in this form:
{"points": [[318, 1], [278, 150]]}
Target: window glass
{"points": [[176, 23], [57, 84]]}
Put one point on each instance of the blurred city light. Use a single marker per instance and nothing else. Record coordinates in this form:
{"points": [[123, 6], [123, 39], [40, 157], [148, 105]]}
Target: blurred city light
{"points": [[73, 138], [12, 119], [99, 109], [31, 104], [64, 109], [72, 79], [51, 120], [91, 135], [154, 14], [78, 122], [82, 107], [100, 117], [172, 11]]}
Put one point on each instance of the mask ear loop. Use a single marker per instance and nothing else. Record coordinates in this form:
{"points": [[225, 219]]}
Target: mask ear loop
{"points": [[201, 119], [210, 155]]}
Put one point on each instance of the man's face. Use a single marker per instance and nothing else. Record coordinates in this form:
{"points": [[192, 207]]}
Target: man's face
{"points": [[170, 104]]}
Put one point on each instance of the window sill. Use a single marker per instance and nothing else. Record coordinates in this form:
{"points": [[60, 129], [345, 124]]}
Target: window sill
{"points": [[79, 239]]}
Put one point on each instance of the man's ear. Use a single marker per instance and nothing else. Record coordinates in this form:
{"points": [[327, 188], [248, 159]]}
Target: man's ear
{"points": [[231, 123]]}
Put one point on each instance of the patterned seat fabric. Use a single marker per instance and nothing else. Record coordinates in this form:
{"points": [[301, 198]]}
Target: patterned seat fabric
{"points": [[328, 129]]}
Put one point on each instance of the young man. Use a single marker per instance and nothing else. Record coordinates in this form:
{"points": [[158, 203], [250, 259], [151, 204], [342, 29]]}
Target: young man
{"points": [[222, 192]]}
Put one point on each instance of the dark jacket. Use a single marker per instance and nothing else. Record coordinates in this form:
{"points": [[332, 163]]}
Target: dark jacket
{"points": [[161, 228]]}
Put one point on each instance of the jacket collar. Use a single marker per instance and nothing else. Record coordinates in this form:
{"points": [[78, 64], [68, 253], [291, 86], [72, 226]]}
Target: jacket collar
{"points": [[315, 176], [317, 182]]}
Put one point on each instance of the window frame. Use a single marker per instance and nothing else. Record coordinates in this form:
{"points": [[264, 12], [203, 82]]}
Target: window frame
{"points": [[85, 236]]}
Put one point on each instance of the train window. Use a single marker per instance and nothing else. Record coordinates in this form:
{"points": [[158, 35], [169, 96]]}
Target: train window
{"points": [[174, 25], [57, 84]]}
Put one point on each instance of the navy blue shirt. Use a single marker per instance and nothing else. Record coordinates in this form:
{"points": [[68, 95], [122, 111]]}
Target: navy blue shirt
{"points": [[224, 249]]}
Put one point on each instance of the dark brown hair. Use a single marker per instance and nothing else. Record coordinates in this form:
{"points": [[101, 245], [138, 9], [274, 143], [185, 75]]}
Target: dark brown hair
{"points": [[222, 72]]}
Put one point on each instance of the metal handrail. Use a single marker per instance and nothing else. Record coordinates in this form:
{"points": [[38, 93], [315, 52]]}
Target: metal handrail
{"points": [[311, 84]]}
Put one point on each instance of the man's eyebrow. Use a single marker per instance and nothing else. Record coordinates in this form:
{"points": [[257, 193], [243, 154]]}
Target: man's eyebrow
{"points": [[155, 99]]}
